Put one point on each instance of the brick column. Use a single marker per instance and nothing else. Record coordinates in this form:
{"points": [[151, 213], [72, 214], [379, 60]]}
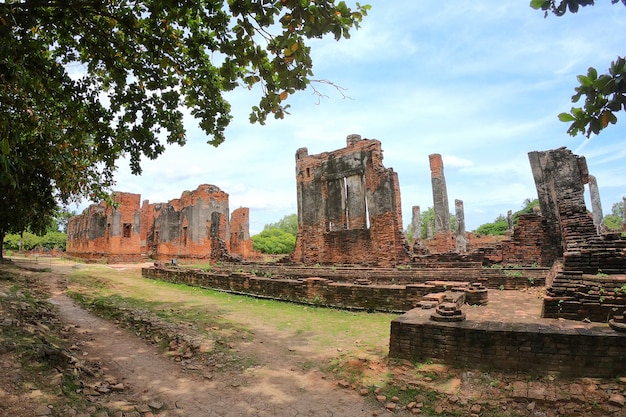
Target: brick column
{"points": [[440, 194], [596, 205], [416, 223], [461, 242]]}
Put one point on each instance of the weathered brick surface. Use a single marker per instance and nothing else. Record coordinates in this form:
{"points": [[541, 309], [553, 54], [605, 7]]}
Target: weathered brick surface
{"points": [[194, 226], [240, 242], [529, 244], [107, 231], [312, 290], [349, 207], [593, 352], [381, 289], [440, 195], [575, 292]]}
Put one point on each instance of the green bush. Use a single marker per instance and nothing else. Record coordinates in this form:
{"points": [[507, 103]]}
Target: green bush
{"points": [[31, 241], [499, 227], [274, 241], [613, 222]]}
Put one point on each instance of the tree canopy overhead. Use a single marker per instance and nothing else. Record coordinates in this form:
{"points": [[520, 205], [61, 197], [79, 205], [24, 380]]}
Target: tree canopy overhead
{"points": [[605, 94], [84, 82]]}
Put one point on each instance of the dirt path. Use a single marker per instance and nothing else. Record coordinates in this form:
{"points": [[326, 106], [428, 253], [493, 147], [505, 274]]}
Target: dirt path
{"points": [[275, 387]]}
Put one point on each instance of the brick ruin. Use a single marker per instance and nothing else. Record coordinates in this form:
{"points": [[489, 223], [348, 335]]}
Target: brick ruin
{"points": [[590, 283], [348, 207], [526, 244], [103, 231], [349, 214], [194, 226]]}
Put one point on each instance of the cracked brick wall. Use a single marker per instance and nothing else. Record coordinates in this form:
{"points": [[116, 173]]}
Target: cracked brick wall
{"points": [[588, 286], [107, 231], [193, 226], [349, 207], [560, 178], [240, 242]]}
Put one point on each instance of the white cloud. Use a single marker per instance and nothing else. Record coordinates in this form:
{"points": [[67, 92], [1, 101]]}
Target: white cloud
{"points": [[479, 82]]}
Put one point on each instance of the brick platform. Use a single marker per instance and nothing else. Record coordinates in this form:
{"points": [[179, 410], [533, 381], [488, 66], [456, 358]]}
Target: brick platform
{"points": [[509, 334]]}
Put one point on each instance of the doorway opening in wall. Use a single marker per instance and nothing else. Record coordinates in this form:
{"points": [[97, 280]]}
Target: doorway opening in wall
{"points": [[107, 233], [184, 236], [354, 202], [126, 230]]}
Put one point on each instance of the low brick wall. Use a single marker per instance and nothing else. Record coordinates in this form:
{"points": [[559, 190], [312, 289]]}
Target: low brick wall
{"points": [[496, 278], [316, 291], [572, 349], [383, 290], [100, 257]]}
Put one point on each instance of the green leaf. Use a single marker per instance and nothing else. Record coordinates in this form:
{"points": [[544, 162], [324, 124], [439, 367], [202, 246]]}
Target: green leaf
{"points": [[566, 117], [4, 145], [584, 81]]}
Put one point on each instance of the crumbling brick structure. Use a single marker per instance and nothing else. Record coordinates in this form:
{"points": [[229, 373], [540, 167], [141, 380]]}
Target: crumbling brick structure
{"points": [[103, 231], [194, 226], [528, 245], [240, 242], [593, 271], [349, 207], [560, 178]]}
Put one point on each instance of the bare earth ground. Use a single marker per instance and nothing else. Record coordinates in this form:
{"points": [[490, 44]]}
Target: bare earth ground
{"points": [[119, 374]]}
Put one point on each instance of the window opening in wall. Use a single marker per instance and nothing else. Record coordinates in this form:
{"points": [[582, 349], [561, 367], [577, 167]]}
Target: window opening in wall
{"points": [[127, 228], [185, 236], [308, 172], [107, 234], [344, 201], [156, 236], [367, 211]]}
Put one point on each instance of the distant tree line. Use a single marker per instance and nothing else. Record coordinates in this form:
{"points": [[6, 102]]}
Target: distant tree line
{"points": [[55, 235], [612, 222]]}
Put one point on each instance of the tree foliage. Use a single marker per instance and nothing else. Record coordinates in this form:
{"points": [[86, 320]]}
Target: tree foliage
{"points": [[83, 83], [501, 224], [288, 224], [274, 241], [279, 237], [615, 220], [29, 241], [496, 228], [605, 94]]}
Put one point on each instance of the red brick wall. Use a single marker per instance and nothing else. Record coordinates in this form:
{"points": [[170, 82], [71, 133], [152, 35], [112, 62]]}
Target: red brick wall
{"points": [[240, 242], [194, 226], [590, 352], [105, 231], [349, 208]]}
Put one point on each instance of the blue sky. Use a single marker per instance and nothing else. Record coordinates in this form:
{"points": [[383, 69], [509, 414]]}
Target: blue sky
{"points": [[479, 82]]}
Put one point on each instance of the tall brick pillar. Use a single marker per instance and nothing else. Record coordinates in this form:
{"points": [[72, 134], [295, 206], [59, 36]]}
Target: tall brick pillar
{"points": [[596, 205], [416, 222], [461, 241], [624, 213], [440, 194]]}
